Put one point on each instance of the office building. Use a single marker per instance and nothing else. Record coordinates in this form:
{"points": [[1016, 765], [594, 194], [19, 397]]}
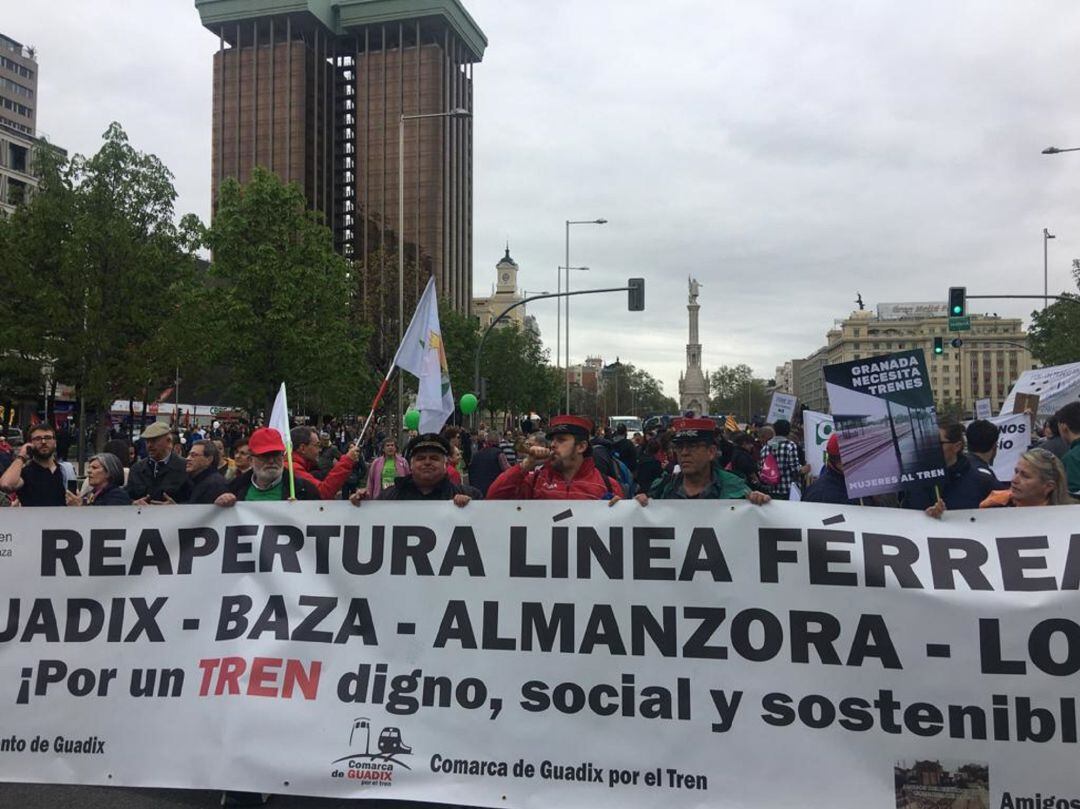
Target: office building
{"points": [[315, 92], [18, 122]]}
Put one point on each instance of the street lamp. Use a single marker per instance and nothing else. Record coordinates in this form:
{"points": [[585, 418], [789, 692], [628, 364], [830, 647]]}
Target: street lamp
{"points": [[1056, 150], [1047, 236], [570, 222], [457, 112]]}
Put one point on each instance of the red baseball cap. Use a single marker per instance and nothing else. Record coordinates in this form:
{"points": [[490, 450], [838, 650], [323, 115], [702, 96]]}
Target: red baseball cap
{"points": [[833, 446], [264, 440]]}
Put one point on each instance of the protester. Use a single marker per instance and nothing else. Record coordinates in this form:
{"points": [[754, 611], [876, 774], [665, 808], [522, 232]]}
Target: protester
{"points": [[453, 465], [565, 471], [161, 476], [982, 443], [1039, 480], [328, 456], [700, 476], [427, 455], [649, 467], [831, 486], [241, 460], [266, 480], [384, 470], [1068, 419], [744, 460], [786, 454], [224, 462], [506, 445], [1052, 439], [624, 449], [35, 476], [963, 487], [488, 462], [306, 447], [105, 480], [207, 482]]}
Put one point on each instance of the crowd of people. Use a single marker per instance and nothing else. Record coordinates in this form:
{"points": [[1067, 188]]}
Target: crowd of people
{"points": [[568, 459]]}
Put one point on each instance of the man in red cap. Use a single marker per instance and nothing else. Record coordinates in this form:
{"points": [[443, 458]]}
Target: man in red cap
{"points": [[266, 479], [563, 471], [700, 475], [830, 487]]}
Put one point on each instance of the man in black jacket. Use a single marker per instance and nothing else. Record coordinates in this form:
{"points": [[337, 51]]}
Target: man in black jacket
{"points": [[207, 483], [161, 476], [427, 479]]}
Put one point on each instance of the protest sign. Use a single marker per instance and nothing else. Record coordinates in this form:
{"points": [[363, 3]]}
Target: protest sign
{"points": [[545, 653], [781, 406], [982, 409], [883, 409], [817, 427], [1013, 442], [1054, 388]]}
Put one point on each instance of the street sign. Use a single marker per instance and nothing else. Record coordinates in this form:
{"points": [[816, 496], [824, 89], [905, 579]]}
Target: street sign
{"points": [[960, 323]]}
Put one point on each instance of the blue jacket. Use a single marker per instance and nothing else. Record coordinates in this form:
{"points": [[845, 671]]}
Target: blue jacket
{"points": [[829, 488], [964, 487]]}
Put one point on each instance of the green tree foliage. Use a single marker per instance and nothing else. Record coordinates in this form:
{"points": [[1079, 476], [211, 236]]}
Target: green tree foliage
{"points": [[93, 265], [731, 385], [630, 391], [514, 362], [1054, 334], [279, 305]]}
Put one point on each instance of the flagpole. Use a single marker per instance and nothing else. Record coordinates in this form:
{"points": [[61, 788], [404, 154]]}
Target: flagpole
{"points": [[292, 473], [374, 406]]}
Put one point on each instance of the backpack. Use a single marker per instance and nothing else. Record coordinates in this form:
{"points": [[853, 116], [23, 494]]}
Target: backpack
{"points": [[770, 469]]}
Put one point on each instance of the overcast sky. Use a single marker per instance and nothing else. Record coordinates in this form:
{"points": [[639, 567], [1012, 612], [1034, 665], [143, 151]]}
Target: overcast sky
{"points": [[787, 154]]}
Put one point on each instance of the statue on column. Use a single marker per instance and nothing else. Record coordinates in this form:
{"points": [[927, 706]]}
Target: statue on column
{"points": [[694, 288]]}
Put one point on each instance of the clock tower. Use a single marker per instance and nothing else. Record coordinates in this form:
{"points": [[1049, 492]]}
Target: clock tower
{"points": [[506, 275]]}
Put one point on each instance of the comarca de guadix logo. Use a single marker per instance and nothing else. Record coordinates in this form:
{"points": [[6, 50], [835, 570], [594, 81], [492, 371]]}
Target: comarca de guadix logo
{"points": [[372, 768]]}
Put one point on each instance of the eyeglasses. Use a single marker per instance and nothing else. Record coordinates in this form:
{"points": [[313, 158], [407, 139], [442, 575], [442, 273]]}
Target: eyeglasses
{"points": [[42, 439]]}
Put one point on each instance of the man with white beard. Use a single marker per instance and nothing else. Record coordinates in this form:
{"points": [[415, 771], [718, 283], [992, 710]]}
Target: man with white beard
{"points": [[266, 479]]}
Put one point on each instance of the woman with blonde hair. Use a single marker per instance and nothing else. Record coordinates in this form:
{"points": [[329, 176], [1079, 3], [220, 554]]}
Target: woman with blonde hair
{"points": [[1039, 480]]}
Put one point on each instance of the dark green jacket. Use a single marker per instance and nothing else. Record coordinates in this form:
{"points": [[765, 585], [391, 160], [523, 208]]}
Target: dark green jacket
{"points": [[724, 486], [1071, 461]]}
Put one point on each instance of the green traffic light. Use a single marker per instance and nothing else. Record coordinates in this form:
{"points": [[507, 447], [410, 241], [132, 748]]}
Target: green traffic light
{"points": [[956, 310], [939, 350]]}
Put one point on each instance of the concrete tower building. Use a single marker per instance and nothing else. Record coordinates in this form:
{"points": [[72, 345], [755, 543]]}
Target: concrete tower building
{"points": [[693, 392], [18, 116], [314, 91]]}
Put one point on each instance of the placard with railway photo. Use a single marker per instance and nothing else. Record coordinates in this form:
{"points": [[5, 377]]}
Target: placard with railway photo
{"points": [[883, 409], [942, 784]]}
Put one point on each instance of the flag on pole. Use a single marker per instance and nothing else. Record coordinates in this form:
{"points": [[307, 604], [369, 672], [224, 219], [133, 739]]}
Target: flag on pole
{"points": [[731, 424], [421, 353], [279, 420]]}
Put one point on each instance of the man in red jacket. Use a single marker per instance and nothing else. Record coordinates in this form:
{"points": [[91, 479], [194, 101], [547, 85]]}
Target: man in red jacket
{"points": [[563, 471], [305, 455]]}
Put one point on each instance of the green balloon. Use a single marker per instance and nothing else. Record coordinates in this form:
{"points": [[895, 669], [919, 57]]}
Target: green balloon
{"points": [[412, 420], [468, 404]]}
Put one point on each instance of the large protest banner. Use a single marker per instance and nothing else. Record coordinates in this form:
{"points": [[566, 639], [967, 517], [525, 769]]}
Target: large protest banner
{"points": [[1055, 387], [546, 654], [883, 408]]}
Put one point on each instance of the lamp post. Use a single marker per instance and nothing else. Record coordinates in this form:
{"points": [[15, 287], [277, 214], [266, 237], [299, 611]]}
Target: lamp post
{"points": [[457, 112], [570, 222], [1047, 236]]}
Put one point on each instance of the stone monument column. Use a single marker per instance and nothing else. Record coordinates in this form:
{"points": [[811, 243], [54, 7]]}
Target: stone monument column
{"points": [[693, 393]]}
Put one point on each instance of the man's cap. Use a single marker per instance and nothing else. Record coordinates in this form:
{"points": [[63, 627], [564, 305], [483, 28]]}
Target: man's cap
{"points": [[264, 440], [156, 430], [832, 448], [427, 441], [577, 426], [693, 430]]}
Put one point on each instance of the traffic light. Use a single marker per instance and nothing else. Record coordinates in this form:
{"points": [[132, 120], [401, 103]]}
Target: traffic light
{"points": [[636, 297], [957, 301], [939, 345], [956, 342]]}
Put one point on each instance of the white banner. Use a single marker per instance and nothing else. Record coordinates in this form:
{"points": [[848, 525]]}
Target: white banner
{"points": [[983, 409], [1013, 442], [1055, 386], [817, 427], [782, 406], [546, 654]]}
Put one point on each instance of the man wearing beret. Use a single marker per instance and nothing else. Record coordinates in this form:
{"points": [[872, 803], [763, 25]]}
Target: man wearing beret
{"points": [[700, 475], [563, 471], [427, 455], [266, 480], [160, 477]]}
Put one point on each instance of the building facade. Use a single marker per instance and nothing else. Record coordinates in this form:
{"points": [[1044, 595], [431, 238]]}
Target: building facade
{"points": [[504, 293], [991, 357], [316, 92], [18, 122]]}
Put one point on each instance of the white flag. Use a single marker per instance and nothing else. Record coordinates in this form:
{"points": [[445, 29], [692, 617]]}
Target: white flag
{"points": [[279, 417], [421, 353]]}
